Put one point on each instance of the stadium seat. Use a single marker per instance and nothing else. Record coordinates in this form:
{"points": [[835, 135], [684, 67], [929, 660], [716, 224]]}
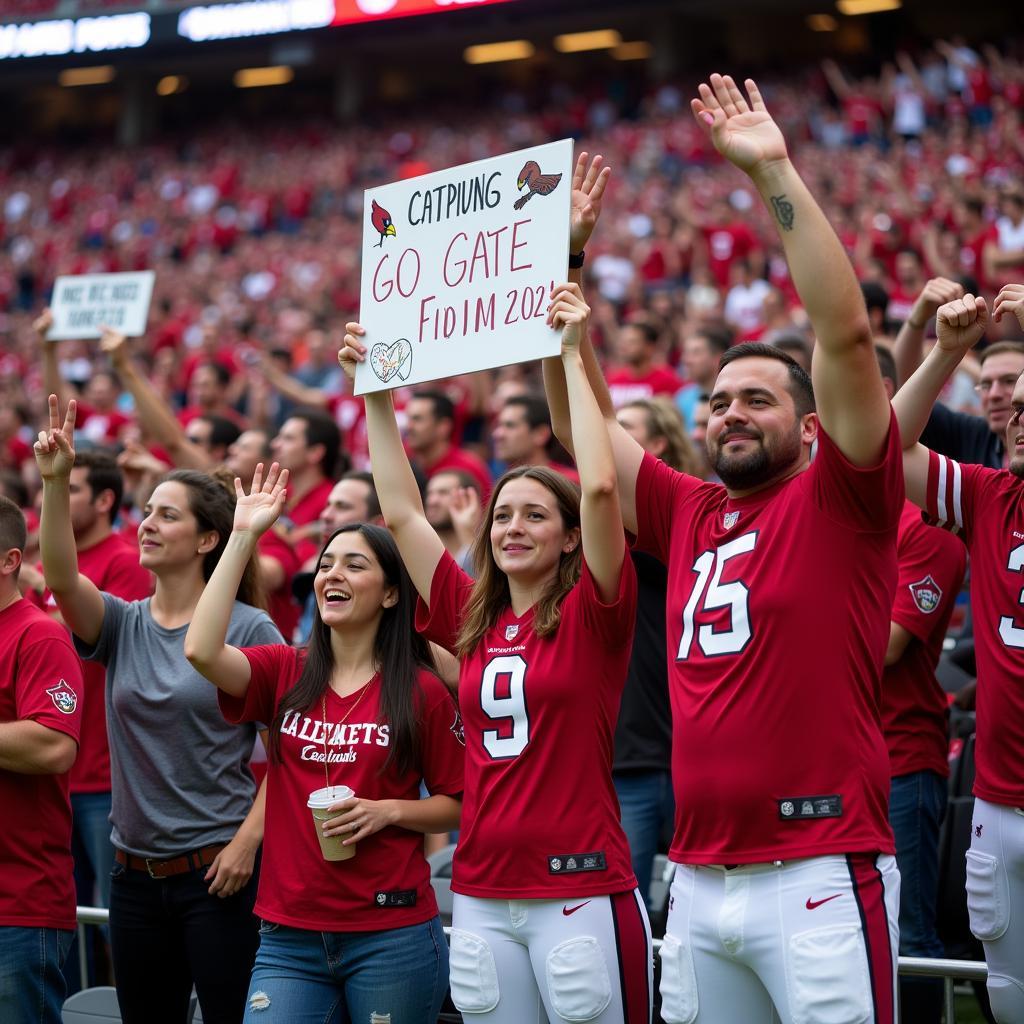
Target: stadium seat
{"points": [[92, 1006]]}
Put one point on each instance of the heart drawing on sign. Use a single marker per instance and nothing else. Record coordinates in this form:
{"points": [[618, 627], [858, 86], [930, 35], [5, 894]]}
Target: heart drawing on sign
{"points": [[388, 360]]}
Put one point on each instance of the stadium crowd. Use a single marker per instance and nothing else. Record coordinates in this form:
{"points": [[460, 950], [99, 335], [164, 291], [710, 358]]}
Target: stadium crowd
{"points": [[255, 240]]}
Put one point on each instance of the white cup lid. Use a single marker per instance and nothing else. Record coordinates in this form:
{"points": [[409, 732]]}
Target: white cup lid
{"points": [[321, 798]]}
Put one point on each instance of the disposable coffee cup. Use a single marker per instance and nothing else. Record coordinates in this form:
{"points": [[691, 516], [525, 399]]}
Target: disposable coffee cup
{"points": [[319, 800]]}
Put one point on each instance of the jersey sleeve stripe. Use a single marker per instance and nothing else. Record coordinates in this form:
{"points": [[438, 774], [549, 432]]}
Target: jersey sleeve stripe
{"points": [[958, 514], [944, 493], [940, 491]]}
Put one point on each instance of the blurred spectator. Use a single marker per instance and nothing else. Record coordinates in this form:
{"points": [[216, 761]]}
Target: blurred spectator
{"points": [[522, 435]]}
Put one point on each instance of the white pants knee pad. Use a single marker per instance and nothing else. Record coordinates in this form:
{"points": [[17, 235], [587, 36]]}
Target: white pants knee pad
{"points": [[577, 979], [1007, 998], [474, 976]]}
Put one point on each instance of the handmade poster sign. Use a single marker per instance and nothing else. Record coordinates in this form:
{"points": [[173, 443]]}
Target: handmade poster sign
{"points": [[84, 303], [458, 267]]}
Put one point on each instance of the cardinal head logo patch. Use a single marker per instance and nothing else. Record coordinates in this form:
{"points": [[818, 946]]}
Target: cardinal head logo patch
{"points": [[65, 700], [926, 594]]}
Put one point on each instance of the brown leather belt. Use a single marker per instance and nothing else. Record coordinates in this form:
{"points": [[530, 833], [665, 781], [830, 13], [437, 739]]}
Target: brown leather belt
{"points": [[192, 861]]}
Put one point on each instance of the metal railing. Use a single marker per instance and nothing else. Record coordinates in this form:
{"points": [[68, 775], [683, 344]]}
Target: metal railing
{"points": [[948, 970]]}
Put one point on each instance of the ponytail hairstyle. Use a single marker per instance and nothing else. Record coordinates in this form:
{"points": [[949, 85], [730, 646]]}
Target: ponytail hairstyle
{"points": [[211, 499], [399, 653], [490, 594]]}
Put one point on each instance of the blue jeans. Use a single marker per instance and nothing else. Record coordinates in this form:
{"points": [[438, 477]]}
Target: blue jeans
{"points": [[646, 805], [94, 859], [308, 977], [31, 979], [917, 805]]}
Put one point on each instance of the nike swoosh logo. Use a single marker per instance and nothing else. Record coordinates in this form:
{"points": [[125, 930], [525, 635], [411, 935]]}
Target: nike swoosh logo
{"points": [[814, 904], [566, 911]]}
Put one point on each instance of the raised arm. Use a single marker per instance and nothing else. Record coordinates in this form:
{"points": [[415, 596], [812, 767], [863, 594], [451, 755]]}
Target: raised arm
{"points": [[80, 603], [205, 647], [604, 544], [400, 501], [960, 325], [851, 399], [908, 349], [156, 419], [588, 186], [291, 388], [53, 381]]}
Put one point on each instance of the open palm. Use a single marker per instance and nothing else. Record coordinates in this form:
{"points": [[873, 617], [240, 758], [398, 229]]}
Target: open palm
{"points": [[588, 185], [742, 130], [55, 450], [257, 511]]}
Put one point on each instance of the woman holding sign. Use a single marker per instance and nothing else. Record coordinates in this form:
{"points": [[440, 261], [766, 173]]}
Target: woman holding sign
{"points": [[548, 922], [186, 829], [350, 923]]}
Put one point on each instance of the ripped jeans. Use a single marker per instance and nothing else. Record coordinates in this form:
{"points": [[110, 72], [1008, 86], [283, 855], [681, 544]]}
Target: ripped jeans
{"points": [[396, 976]]}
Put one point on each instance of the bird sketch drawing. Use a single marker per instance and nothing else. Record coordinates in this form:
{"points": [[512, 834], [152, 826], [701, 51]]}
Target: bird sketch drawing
{"points": [[538, 184], [381, 220]]}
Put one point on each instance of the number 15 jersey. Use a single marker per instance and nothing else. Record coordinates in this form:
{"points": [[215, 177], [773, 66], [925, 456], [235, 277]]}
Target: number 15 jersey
{"points": [[777, 625], [540, 819]]}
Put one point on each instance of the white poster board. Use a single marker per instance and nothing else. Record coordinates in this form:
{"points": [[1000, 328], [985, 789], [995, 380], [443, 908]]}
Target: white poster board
{"points": [[84, 303], [458, 266]]}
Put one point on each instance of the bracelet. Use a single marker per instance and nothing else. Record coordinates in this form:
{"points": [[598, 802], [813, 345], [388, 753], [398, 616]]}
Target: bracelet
{"points": [[576, 259]]}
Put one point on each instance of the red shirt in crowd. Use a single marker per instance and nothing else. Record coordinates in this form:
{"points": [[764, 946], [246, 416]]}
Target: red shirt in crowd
{"points": [[100, 427], [986, 506], [540, 816], [298, 888], [626, 386], [915, 713], [305, 511], [456, 458], [113, 566], [777, 623], [728, 243], [40, 681], [281, 605]]}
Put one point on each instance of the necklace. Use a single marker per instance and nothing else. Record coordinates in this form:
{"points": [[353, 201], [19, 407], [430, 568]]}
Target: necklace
{"points": [[323, 708]]}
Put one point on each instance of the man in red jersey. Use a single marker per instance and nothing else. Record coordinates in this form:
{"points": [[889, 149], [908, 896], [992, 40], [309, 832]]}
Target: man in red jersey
{"points": [[986, 506], [915, 721], [40, 716], [785, 897], [522, 435], [429, 428], [641, 371], [112, 563]]}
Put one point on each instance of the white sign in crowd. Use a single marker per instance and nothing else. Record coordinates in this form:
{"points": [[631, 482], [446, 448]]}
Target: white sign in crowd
{"points": [[458, 267], [82, 304]]}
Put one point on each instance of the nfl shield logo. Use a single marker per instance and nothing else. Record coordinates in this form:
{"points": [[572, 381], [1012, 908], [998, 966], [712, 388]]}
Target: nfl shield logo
{"points": [[511, 632], [64, 698], [730, 519], [926, 594]]}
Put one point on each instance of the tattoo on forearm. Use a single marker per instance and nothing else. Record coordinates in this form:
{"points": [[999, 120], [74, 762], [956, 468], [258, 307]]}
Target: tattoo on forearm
{"points": [[783, 210]]}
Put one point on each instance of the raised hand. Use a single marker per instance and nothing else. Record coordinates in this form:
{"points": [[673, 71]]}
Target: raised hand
{"points": [[257, 511], [113, 344], [961, 324], [42, 324], [466, 513], [588, 185], [353, 351], [1010, 300], [569, 312], [937, 292], [742, 131], [55, 448]]}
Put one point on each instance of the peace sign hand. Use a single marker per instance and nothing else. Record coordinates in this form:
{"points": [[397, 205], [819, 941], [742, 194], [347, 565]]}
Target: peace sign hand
{"points": [[257, 511], [55, 448]]}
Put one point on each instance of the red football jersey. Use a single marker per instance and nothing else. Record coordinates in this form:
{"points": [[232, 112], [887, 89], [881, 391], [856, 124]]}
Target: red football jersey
{"points": [[113, 565], [777, 626], [40, 680], [387, 883], [626, 387], [305, 511], [540, 817], [985, 506], [915, 712]]}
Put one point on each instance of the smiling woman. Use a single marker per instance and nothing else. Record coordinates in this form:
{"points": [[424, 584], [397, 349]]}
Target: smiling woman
{"points": [[186, 827]]}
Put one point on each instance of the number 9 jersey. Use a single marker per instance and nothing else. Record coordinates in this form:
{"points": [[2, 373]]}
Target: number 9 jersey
{"points": [[777, 624], [540, 819]]}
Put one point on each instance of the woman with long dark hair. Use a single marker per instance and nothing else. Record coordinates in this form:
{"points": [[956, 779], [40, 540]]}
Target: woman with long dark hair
{"points": [[186, 827], [548, 922], [356, 937]]}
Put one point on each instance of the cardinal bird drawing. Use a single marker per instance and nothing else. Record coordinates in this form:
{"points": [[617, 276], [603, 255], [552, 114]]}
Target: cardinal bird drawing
{"points": [[381, 220], [538, 184]]}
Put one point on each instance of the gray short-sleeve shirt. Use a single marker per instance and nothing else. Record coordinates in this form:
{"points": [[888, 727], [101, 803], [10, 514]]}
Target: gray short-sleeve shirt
{"points": [[179, 772]]}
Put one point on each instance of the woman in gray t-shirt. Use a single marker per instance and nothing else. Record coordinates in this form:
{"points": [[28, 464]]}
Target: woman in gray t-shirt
{"points": [[186, 826]]}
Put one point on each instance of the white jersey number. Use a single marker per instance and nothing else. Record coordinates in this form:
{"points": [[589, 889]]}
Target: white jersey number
{"points": [[717, 594], [511, 739], [1013, 636]]}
